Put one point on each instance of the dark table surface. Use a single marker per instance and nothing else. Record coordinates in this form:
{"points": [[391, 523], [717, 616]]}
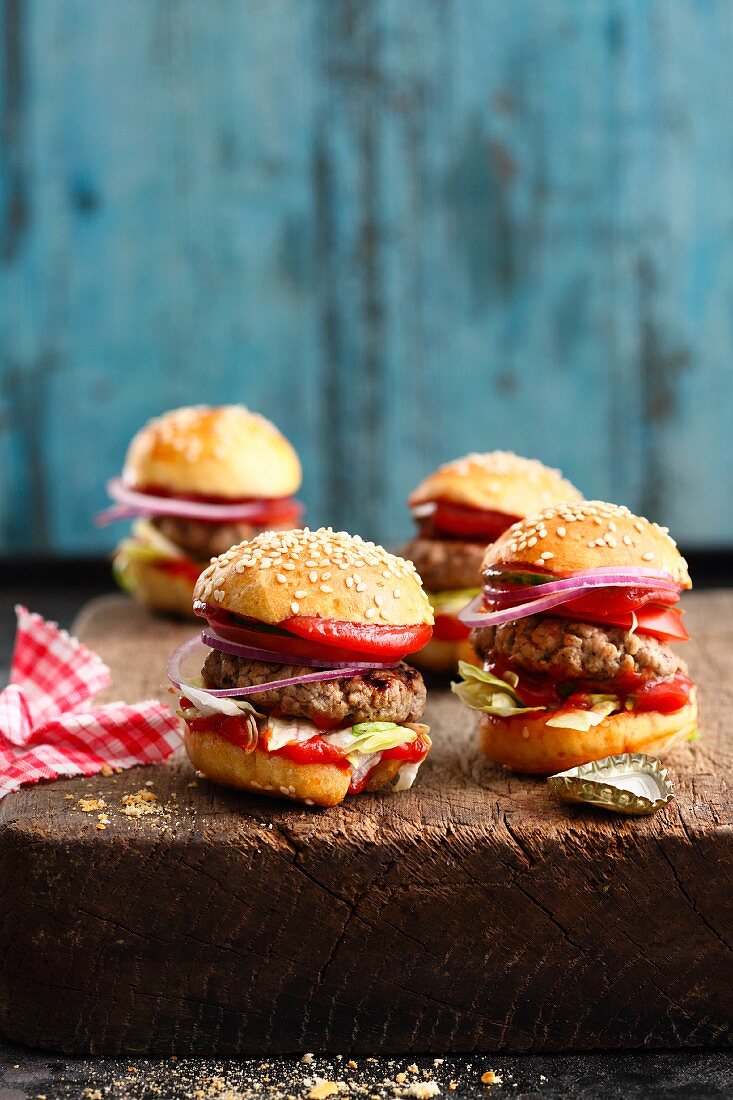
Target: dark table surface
{"points": [[58, 592]]}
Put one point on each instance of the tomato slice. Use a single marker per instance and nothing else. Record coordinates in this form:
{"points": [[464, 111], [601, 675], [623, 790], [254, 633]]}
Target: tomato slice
{"points": [[664, 696], [251, 632], [469, 523], [313, 751], [449, 629], [384, 640], [410, 752], [664, 623], [176, 567], [327, 639]]}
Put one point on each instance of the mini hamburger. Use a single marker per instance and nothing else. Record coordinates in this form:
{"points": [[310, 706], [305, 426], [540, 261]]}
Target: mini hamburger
{"points": [[574, 628], [303, 693], [459, 509], [197, 480]]}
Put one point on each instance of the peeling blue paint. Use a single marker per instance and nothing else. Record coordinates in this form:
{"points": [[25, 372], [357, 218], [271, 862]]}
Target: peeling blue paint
{"points": [[402, 230]]}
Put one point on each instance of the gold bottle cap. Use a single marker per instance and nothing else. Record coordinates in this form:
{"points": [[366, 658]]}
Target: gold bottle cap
{"points": [[633, 784]]}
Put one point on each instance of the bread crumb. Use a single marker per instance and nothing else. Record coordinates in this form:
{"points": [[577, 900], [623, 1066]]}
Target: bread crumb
{"points": [[419, 1090], [412, 1068], [400, 1078], [352, 1064], [307, 1059], [452, 1085], [100, 826], [141, 803], [92, 1094], [106, 771], [91, 805], [438, 1061], [491, 1078], [69, 797], [323, 1089]]}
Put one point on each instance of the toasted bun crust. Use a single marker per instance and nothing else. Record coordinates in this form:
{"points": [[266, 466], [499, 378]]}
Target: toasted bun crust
{"points": [[442, 657], [525, 743], [220, 452], [158, 590], [266, 773], [325, 573], [498, 481], [590, 535]]}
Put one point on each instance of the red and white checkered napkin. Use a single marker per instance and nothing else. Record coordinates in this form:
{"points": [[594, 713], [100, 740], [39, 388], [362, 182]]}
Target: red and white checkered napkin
{"points": [[48, 726]]}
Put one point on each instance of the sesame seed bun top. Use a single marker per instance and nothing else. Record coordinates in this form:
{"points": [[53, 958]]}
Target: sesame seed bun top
{"points": [[324, 573], [226, 452], [590, 535], [497, 481]]}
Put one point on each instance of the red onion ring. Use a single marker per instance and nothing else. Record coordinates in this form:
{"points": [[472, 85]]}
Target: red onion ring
{"points": [[556, 593], [176, 677], [254, 653], [606, 577], [147, 504], [114, 513], [471, 617]]}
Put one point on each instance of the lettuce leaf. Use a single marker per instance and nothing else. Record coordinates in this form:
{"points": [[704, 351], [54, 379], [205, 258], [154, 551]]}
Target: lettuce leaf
{"points": [[452, 600], [481, 690], [205, 703], [406, 776], [584, 720], [369, 737]]}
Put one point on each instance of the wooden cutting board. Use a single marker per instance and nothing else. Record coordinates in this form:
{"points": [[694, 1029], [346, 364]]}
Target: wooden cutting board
{"points": [[473, 913]]}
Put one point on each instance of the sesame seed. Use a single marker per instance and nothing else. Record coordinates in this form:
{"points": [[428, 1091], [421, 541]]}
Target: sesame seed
{"points": [[397, 593], [649, 556], [288, 565], [281, 578], [371, 612], [218, 595], [378, 601], [386, 574], [326, 588], [301, 594], [361, 587], [532, 541], [325, 576], [546, 555], [295, 607], [313, 576], [349, 582]]}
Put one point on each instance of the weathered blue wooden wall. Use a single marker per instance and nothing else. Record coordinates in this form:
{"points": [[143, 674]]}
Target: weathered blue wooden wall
{"points": [[403, 228]]}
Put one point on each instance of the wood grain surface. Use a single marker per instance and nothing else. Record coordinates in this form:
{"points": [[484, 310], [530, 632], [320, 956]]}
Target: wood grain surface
{"points": [[473, 913]]}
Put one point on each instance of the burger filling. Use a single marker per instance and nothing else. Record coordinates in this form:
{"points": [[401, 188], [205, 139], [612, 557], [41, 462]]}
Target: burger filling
{"points": [[449, 569], [177, 546], [582, 671], [353, 722]]}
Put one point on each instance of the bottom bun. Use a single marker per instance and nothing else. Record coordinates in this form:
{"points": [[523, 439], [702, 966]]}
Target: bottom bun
{"points": [[525, 743], [440, 656], [270, 774], [158, 589]]}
